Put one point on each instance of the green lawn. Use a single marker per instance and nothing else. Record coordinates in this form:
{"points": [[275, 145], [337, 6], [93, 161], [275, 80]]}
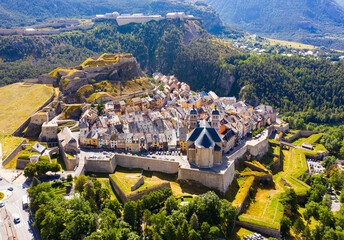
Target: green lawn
{"points": [[311, 139]]}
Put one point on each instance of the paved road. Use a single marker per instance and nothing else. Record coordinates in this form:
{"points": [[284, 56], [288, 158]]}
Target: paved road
{"points": [[13, 204]]}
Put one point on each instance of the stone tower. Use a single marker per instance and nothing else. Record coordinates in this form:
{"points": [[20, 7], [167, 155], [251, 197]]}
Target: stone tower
{"points": [[215, 119], [193, 119]]}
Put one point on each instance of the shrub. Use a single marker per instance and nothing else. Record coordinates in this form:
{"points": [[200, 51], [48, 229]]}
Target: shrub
{"points": [[56, 184], [69, 178], [24, 156], [44, 159]]}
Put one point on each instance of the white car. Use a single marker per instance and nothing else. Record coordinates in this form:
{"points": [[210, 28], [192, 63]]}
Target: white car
{"points": [[16, 218]]}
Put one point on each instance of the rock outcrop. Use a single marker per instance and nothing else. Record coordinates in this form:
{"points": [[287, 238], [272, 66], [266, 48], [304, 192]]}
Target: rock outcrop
{"points": [[107, 67]]}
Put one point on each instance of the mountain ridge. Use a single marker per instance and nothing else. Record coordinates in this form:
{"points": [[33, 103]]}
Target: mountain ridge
{"points": [[298, 20]]}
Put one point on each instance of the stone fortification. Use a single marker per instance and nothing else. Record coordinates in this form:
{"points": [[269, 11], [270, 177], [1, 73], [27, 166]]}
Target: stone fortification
{"points": [[138, 195], [149, 164], [14, 153], [263, 230], [125, 69], [217, 180], [299, 134]]}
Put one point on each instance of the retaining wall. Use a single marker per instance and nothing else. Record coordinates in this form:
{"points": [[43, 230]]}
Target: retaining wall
{"points": [[255, 168], [263, 230], [14, 153], [139, 195]]}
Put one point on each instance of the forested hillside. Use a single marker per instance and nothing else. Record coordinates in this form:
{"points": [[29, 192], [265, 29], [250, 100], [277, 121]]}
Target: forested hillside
{"points": [[307, 21], [291, 84]]}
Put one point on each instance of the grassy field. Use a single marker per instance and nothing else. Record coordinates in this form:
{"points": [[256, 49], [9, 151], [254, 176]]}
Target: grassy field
{"points": [[17, 102], [8, 144], [295, 45]]}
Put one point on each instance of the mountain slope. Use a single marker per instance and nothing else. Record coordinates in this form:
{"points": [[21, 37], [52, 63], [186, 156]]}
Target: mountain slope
{"points": [[290, 20], [28, 12]]}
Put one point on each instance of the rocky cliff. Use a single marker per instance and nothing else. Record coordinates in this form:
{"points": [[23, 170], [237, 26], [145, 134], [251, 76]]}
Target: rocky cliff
{"points": [[109, 67]]}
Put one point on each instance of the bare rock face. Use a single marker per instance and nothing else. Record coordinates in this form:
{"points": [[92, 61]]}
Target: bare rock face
{"points": [[124, 70], [71, 86]]}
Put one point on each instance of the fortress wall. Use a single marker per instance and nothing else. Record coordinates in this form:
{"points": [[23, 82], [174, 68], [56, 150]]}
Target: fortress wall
{"points": [[259, 149], [14, 153], [228, 177], [21, 163], [208, 179], [150, 164], [101, 165], [263, 230], [301, 133], [118, 191], [140, 194]]}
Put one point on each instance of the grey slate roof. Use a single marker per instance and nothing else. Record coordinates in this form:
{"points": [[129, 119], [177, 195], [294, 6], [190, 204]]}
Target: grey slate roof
{"points": [[204, 136]]}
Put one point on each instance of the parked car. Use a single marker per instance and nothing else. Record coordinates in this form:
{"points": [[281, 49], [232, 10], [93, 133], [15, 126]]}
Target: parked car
{"points": [[16, 218], [2, 204], [10, 189]]}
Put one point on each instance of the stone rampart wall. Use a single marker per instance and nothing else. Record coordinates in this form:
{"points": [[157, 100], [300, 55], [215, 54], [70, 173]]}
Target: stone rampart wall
{"points": [[101, 166], [255, 168], [137, 184], [21, 163], [24, 125], [118, 191], [220, 181], [241, 208], [150, 164], [69, 162], [14, 153], [263, 230], [140, 194], [301, 133], [259, 148], [136, 196]]}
